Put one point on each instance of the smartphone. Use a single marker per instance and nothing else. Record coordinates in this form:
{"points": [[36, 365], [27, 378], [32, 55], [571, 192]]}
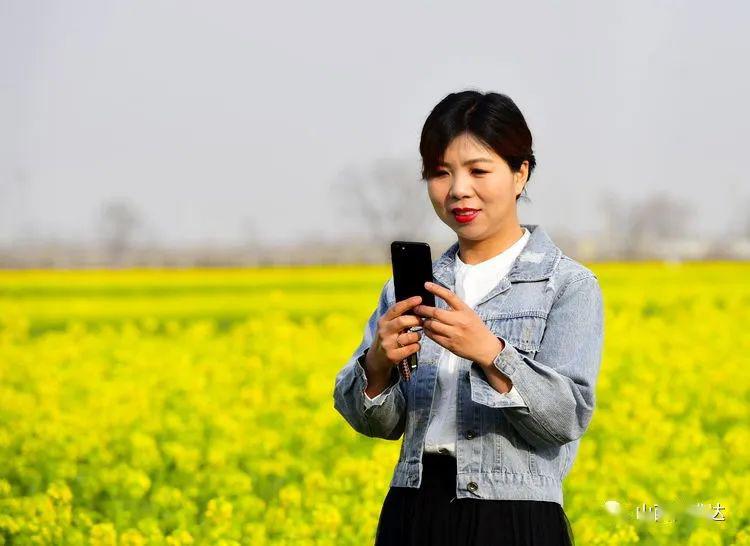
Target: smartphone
{"points": [[412, 267]]}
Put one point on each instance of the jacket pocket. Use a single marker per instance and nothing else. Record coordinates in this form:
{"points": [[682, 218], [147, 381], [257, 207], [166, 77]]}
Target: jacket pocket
{"points": [[512, 453], [548, 461], [523, 330]]}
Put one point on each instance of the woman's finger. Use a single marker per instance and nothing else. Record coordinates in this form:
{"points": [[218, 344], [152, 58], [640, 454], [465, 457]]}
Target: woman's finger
{"points": [[400, 353], [437, 338], [405, 321], [410, 337], [406, 338], [436, 327], [443, 315], [398, 308], [450, 298]]}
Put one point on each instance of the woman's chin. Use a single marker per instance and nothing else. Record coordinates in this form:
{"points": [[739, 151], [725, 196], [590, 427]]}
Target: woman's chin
{"points": [[469, 231], [470, 234]]}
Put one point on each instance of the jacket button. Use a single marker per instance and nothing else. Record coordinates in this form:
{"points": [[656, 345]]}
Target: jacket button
{"points": [[469, 434], [472, 486]]}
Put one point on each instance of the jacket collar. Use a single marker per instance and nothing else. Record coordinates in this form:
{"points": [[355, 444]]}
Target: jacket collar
{"points": [[535, 262]]}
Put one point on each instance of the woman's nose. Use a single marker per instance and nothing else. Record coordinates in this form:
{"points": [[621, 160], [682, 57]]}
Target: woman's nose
{"points": [[461, 187]]}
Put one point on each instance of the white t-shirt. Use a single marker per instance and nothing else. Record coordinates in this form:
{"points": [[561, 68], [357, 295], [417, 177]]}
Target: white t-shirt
{"points": [[472, 283]]}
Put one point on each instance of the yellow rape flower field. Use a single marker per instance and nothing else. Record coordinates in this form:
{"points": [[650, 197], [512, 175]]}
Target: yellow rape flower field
{"points": [[187, 407]]}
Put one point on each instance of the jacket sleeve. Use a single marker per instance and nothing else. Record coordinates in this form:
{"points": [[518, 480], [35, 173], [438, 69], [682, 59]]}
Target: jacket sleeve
{"points": [[515, 396], [380, 398], [387, 417], [484, 393], [558, 383]]}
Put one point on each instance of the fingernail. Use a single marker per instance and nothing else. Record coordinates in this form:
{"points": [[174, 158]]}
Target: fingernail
{"points": [[427, 284]]}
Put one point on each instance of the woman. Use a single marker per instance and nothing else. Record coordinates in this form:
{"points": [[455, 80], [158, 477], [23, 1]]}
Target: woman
{"points": [[508, 359]]}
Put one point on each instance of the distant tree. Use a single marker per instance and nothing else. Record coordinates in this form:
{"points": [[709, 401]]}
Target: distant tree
{"points": [[249, 232], [660, 215], [14, 200], [743, 211], [119, 221], [614, 215], [631, 227], [389, 201]]}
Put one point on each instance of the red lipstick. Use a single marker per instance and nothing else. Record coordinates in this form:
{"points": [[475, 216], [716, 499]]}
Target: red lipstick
{"points": [[463, 215]]}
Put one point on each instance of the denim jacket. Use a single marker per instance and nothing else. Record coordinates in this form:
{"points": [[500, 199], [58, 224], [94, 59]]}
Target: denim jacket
{"points": [[548, 310]]}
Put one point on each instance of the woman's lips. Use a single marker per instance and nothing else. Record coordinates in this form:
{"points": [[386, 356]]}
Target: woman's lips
{"points": [[465, 217]]}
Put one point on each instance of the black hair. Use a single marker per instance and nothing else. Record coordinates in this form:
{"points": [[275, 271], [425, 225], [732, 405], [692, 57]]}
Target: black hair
{"points": [[491, 118]]}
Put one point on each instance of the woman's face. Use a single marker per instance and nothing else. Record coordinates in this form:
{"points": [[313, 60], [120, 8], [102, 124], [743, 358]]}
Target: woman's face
{"points": [[475, 177]]}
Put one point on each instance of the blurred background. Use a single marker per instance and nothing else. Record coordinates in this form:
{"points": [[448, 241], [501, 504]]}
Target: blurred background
{"points": [[196, 205], [210, 133]]}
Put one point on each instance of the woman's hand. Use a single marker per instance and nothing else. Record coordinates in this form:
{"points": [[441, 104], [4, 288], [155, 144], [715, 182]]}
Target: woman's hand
{"points": [[390, 344], [459, 329]]}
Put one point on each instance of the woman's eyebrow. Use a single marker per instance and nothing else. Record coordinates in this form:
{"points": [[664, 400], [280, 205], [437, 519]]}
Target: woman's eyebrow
{"points": [[468, 161]]}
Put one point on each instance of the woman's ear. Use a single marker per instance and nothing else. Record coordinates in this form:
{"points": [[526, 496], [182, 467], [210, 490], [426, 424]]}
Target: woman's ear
{"points": [[520, 177]]}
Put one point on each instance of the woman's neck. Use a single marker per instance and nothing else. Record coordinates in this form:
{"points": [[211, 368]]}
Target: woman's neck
{"points": [[475, 252]]}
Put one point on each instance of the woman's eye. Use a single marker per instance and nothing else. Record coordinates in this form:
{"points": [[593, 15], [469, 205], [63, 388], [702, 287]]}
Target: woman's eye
{"points": [[474, 171]]}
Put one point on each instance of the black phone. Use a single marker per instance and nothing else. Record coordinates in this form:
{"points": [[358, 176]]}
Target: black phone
{"points": [[412, 267]]}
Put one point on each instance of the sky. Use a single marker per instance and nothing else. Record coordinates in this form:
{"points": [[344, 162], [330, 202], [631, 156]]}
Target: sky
{"points": [[220, 119]]}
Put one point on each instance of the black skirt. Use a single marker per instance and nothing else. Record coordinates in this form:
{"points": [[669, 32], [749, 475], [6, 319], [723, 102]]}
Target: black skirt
{"points": [[432, 515]]}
